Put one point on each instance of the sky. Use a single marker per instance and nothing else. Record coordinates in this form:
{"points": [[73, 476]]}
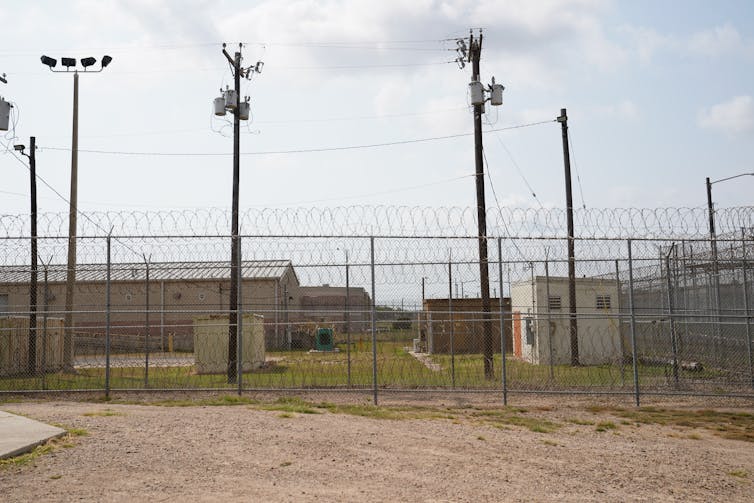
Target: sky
{"points": [[659, 96]]}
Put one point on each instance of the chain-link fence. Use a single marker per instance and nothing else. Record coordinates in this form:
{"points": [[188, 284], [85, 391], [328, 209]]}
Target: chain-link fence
{"points": [[651, 316]]}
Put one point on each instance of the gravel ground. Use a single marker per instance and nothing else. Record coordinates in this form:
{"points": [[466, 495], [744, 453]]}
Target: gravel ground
{"points": [[241, 453]]}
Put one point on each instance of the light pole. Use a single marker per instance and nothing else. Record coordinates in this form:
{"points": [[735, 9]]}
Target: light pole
{"points": [[31, 365], [713, 239], [70, 66]]}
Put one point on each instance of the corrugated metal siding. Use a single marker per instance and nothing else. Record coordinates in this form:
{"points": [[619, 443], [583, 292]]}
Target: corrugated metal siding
{"points": [[158, 271]]}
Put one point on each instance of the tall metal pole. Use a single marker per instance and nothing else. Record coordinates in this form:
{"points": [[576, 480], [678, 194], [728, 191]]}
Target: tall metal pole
{"points": [[32, 346], [549, 318], [715, 265], [234, 251], [563, 119], [72, 212], [475, 51]]}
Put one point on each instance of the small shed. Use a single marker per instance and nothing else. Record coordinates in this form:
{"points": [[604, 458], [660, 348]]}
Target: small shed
{"points": [[211, 343], [14, 345], [541, 325], [459, 324]]}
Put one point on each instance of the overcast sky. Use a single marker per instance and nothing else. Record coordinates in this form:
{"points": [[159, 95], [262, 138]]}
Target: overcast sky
{"points": [[659, 96]]}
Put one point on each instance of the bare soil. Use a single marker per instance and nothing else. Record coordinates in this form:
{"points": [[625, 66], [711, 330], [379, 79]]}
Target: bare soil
{"points": [[442, 452]]}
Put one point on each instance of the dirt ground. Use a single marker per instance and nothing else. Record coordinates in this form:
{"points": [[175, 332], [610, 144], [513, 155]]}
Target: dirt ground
{"points": [[438, 452]]}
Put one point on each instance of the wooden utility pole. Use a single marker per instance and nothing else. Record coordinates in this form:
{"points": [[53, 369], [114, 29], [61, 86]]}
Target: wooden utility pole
{"points": [[234, 251], [574, 333], [475, 52]]}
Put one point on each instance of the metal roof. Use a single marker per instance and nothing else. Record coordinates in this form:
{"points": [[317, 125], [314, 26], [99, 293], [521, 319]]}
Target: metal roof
{"points": [[158, 271]]}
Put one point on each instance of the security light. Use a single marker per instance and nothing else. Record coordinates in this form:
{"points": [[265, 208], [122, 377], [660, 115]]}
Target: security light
{"points": [[87, 62], [19, 148], [68, 62], [258, 67], [106, 61], [51, 62]]}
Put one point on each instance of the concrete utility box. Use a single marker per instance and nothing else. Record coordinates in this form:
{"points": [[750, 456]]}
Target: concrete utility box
{"points": [[14, 344], [541, 326], [211, 343]]}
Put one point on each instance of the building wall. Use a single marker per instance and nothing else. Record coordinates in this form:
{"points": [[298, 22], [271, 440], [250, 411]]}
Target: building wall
{"points": [[598, 329], [173, 307], [464, 324]]}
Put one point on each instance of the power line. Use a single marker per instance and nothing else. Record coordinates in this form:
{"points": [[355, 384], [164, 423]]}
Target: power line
{"points": [[292, 151], [61, 196]]}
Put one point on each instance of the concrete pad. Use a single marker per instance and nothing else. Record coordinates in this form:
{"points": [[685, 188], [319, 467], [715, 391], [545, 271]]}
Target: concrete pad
{"points": [[19, 435]]}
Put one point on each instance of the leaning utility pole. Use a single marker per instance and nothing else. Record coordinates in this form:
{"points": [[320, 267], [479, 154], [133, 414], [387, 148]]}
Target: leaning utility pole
{"points": [[231, 101], [477, 100], [563, 119]]}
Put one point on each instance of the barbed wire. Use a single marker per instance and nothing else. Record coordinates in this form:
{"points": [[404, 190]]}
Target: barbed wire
{"points": [[622, 223]]}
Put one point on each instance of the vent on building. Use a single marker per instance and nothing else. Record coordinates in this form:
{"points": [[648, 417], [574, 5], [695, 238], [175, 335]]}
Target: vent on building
{"points": [[603, 302], [555, 302], [201, 296]]}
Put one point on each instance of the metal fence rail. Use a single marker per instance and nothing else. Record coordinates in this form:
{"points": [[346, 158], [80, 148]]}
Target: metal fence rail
{"points": [[375, 313]]}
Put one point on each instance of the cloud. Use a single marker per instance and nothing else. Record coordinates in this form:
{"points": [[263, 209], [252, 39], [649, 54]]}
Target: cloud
{"points": [[718, 40], [733, 117], [646, 43]]}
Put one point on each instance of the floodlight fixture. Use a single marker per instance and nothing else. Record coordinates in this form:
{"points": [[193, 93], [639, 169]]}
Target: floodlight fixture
{"points": [[258, 67], [68, 62], [87, 62], [106, 60], [51, 62], [19, 148]]}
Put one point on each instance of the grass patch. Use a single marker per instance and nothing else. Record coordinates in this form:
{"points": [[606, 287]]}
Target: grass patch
{"points": [[289, 405], [220, 401], [606, 425], [581, 422], [103, 413], [55, 477], [51, 445], [741, 474], [285, 415], [550, 443], [286, 463], [729, 425], [77, 432]]}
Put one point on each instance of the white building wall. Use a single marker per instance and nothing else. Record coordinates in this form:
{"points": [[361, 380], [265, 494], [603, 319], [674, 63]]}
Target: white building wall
{"points": [[598, 329]]}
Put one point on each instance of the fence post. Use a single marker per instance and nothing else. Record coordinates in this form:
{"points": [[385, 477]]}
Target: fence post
{"points": [[632, 309], [348, 320], [673, 343], [549, 318], [503, 367], [146, 322], [374, 325], [44, 327], [107, 320], [746, 308], [452, 324], [239, 321], [620, 328]]}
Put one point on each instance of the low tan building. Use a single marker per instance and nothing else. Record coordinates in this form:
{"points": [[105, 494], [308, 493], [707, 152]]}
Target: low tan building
{"points": [[334, 305], [178, 293], [461, 322]]}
